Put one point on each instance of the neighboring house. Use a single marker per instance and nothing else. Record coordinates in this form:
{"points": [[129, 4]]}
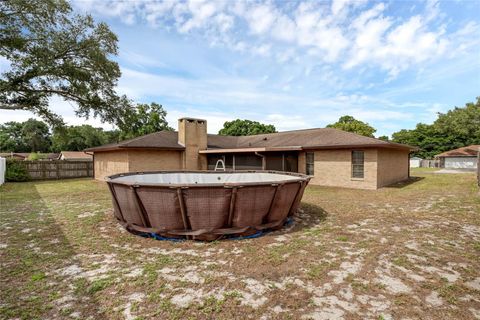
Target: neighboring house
{"points": [[14, 155], [75, 156], [415, 162], [333, 157], [461, 158]]}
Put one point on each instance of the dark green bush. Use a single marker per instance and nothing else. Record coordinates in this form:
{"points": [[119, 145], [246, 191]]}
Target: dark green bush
{"points": [[16, 171]]}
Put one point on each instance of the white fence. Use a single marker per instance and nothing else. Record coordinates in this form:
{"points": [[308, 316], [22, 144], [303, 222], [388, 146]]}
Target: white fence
{"points": [[3, 167], [430, 164]]}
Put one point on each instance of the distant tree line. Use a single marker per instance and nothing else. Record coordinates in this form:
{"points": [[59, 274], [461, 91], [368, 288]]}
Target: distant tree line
{"points": [[457, 128], [36, 136]]}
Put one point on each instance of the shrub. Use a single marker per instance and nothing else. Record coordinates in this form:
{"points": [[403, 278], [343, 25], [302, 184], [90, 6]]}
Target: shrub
{"points": [[16, 171], [34, 156]]}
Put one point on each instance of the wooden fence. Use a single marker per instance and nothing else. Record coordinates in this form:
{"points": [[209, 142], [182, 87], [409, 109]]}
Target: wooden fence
{"points": [[58, 169]]}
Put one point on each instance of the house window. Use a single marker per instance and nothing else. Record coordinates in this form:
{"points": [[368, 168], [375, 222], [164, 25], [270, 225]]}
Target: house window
{"points": [[358, 160], [310, 162]]}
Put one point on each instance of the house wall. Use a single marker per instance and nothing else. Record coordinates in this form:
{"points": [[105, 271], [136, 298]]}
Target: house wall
{"points": [[334, 168], [108, 163], [393, 166], [461, 162], [112, 162], [144, 160]]}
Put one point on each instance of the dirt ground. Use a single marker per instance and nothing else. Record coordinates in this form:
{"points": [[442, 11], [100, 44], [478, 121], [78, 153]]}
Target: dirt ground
{"points": [[411, 251]]}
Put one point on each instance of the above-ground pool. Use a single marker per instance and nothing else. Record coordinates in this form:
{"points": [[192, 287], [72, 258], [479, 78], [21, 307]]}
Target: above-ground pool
{"points": [[205, 205]]}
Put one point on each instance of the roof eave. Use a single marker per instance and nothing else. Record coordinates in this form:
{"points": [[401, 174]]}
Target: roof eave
{"points": [[117, 148], [254, 149]]}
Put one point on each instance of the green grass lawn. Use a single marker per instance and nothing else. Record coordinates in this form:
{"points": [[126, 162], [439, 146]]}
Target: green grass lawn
{"points": [[407, 251]]}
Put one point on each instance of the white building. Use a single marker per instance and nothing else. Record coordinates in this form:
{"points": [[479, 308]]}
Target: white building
{"points": [[415, 162], [461, 158]]}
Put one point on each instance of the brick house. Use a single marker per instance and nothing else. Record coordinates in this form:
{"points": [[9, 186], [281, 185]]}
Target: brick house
{"points": [[333, 157]]}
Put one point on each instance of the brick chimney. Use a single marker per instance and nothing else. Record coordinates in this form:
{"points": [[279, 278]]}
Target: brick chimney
{"points": [[192, 133]]}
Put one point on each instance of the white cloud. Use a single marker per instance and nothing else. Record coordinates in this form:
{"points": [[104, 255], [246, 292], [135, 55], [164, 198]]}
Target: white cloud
{"points": [[353, 33]]}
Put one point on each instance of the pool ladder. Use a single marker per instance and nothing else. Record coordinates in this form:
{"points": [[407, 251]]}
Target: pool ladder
{"points": [[220, 165]]}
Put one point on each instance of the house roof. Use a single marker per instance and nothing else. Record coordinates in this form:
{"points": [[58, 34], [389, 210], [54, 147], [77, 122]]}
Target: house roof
{"points": [[14, 154], [69, 155], [167, 140], [319, 138], [469, 151]]}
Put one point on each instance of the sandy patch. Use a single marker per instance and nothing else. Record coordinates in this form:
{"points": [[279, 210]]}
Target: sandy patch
{"points": [[474, 284], [135, 297], [434, 299], [86, 215], [393, 285]]}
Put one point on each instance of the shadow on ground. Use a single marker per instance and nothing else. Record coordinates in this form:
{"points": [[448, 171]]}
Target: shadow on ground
{"points": [[33, 249], [406, 183]]}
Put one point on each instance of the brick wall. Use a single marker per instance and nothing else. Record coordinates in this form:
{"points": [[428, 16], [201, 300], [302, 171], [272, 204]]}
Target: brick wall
{"points": [[108, 163], [334, 168], [392, 166], [113, 162], [140, 160]]}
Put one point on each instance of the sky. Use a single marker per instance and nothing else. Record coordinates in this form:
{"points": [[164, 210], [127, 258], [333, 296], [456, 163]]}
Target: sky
{"points": [[293, 64]]}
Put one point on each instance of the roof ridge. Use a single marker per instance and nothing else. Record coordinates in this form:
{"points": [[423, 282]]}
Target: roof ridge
{"points": [[142, 137]]}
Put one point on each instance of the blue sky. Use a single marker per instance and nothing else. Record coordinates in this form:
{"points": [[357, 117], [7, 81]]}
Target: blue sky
{"points": [[294, 64]]}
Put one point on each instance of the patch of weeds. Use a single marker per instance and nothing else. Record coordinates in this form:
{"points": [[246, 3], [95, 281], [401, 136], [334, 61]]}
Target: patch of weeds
{"points": [[342, 238], [276, 254], [317, 270], [359, 285], [156, 295], [476, 246], [168, 306], [364, 244], [163, 260], [37, 276], [211, 305], [380, 285], [314, 232], [81, 286], [233, 295], [402, 300], [66, 311], [450, 292], [99, 285], [135, 306], [402, 262], [150, 272]]}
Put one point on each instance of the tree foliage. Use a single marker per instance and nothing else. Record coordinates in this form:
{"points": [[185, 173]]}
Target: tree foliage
{"points": [[78, 138], [240, 127], [350, 124], [34, 135], [29, 136], [457, 128], [143, 119], [53, 52]]}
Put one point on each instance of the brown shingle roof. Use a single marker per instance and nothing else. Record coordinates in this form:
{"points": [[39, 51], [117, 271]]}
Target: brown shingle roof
{"points": [[469, 151], [167, 140], [320, 138], [74, 155]]}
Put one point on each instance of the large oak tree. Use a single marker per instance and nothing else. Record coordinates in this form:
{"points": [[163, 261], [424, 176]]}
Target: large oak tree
{"points": [[240, 127], [53, 52]]}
